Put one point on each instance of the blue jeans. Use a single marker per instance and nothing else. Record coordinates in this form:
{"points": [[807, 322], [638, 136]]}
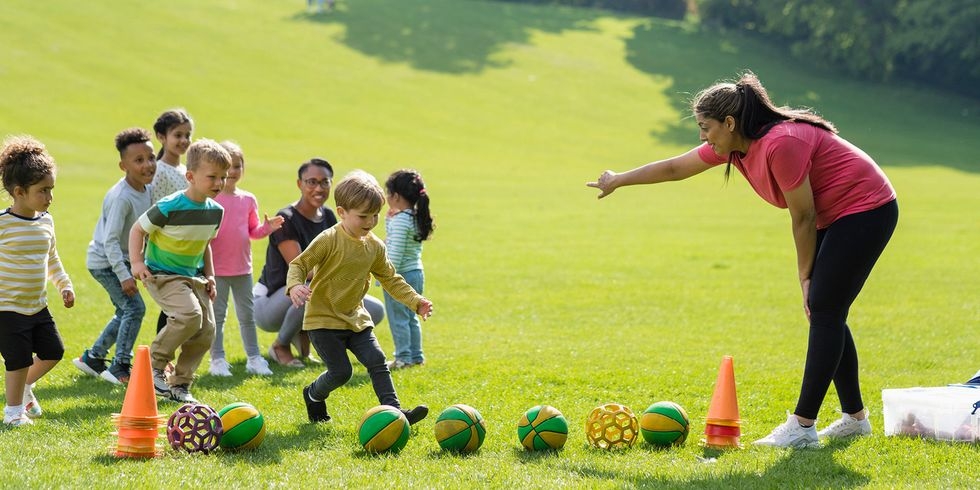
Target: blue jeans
{"points": [[124, 326], [406, 330]]}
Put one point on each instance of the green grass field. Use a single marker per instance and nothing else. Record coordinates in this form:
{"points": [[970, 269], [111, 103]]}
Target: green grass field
{"points": [[543, 294]]}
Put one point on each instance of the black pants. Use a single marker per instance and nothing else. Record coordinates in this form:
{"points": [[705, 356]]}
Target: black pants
{"points": [[332, 347], [846, 252]]}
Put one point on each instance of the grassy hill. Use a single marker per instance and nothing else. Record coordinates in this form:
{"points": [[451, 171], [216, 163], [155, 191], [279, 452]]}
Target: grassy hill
{"points": [[543, 294]]}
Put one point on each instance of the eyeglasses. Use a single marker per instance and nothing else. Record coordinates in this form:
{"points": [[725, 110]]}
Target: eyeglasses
{"points": [[325, 183]]}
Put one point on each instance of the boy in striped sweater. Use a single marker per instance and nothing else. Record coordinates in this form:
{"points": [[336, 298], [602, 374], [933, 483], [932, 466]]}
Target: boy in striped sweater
{"points": [[177, 270]]}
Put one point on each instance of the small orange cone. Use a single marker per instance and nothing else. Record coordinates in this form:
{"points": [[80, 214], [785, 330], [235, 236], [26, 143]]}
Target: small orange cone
{"points": [[722, 429], [139, 423]]}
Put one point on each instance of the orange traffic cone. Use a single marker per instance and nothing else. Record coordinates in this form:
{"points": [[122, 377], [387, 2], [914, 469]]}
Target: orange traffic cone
{"points": [[722, 428], [139, 423]]}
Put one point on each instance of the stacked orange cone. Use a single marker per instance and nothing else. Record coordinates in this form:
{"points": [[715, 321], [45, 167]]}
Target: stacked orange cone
{"points": [[139, 423], [722, 428]]}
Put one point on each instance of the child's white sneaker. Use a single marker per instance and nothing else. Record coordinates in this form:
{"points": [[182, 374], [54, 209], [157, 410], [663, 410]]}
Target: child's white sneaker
{"points": [[257, 365], [791, 434], [847, 426], [219, 367], [15, 416]]}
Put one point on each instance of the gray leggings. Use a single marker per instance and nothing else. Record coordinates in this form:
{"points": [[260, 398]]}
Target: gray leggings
{"points": [[275, 313], [241, 288]]}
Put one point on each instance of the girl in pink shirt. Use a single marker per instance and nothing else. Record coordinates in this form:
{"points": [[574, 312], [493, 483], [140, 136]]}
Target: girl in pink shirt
{"points": [[231, 252], [843, 212]]}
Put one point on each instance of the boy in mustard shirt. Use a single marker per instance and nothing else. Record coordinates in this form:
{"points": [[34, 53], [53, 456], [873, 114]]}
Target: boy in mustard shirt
{"points": [[342, 259]]}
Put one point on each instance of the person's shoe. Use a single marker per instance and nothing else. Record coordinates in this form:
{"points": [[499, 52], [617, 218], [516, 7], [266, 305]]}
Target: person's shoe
{"points": [[791, 434], [219, 367], [181, 393], [17, 420], [87, 364], [274, 355], [316, 411], [257, 365], [398, 364], [31, 407], [416, 414], [847, 426], [116, 374], [160, 385], [119, 372]]}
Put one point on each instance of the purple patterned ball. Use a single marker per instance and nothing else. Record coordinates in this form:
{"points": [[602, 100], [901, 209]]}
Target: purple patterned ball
{"points": [[194, 427]]}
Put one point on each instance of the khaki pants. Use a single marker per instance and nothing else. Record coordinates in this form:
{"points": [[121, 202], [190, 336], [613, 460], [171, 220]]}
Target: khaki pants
{"points": [[190, 324]]}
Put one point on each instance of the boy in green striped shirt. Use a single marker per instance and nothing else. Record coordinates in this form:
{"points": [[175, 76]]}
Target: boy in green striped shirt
{"points": [[176, 267]]}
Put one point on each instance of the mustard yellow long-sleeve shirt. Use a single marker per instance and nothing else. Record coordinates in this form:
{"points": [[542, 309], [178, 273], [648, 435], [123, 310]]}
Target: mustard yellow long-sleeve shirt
{"points": [[342, 267]]}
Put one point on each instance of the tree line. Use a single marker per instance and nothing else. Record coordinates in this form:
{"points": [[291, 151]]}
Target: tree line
{"points": [[931, 42]]}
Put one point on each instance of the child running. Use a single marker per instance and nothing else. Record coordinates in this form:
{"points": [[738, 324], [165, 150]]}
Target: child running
{"points": [[173, 129], [177, 270], [232, 256], [108, 257], [408, 224], [342, 259], [28, 257]]}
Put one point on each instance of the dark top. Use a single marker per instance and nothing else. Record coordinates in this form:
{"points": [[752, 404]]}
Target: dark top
{"points": [[294, 227]]}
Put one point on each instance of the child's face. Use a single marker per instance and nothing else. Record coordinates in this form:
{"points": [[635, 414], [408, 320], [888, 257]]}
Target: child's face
{"points": [[138, 162], [35, 198], [358, 222], [206, 181], [235, 172], [177, 139]]}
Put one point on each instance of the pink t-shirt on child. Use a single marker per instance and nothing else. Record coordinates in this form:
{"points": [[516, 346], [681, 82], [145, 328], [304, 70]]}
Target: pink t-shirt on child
{"points": [[231, 250], [844, 179]]}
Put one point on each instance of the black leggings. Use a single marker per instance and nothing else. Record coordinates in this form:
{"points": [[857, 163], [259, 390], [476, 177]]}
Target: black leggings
{"points": [[846, 252]]}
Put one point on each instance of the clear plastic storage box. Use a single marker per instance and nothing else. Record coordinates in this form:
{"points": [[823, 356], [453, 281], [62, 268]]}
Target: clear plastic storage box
{"points": [[947, 413]]}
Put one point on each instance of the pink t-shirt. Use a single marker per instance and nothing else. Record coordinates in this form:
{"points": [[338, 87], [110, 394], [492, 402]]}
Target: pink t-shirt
{"points": [[844, 179], [231, 250]]}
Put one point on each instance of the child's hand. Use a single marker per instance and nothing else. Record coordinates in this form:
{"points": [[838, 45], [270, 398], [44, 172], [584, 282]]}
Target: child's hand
{"points": [[273, 224], [68, 297], [212, 288], [129, 287], [141, 272], [425, 309], [299, 295]]}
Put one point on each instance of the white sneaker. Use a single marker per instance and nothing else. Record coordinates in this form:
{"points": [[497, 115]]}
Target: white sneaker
{"points": [[847, 426], [791, 434], [257, 365], [15, 417], [219, 367]]}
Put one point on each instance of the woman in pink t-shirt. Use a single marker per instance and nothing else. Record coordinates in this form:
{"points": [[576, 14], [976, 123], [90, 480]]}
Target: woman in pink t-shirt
{"points": [[843, 212]]}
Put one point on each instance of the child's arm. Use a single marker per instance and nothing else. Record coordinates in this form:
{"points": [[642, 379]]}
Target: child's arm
{"points": [[397, 231], [57, 274], [396, 286], [302, 264], [115, 218], [137, 236], [257, 231], [209, 272]]}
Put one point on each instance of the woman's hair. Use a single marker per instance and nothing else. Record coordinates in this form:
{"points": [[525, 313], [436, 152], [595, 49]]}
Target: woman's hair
{"points": [[130, 136], [24, 162], [234, 150], [408, 184], [358, 190], [748, 103], [319, 162], [169, 120]]}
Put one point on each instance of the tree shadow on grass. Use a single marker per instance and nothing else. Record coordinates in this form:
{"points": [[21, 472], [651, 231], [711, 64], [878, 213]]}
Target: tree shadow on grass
{"points": [[447, 36], [898, 125]]}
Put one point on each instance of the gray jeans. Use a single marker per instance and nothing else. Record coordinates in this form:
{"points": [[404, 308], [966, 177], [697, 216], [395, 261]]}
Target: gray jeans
{"points": [[276, 313], [241, 288]]}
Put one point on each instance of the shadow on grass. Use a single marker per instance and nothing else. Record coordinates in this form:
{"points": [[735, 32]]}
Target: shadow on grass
{"points": [[447, 36], [798, 465]]}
